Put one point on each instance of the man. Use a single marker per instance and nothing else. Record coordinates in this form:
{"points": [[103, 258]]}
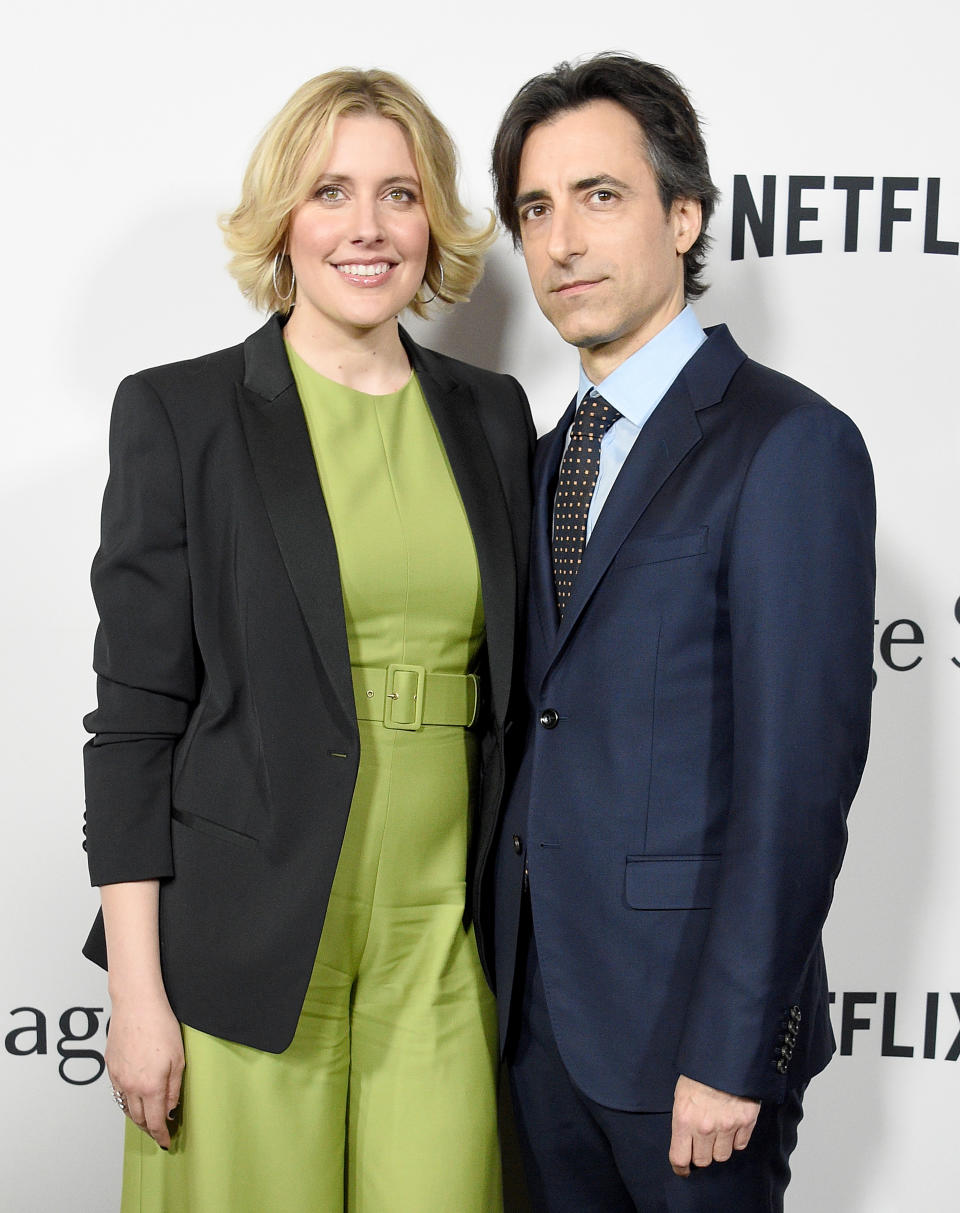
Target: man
{"points": [[698, 683]]}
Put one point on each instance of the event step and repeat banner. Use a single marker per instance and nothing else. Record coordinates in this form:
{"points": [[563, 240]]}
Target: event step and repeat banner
{"points": [[835, 259]]}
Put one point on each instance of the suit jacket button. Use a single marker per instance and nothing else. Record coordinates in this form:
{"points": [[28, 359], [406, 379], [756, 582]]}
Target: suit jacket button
{"points": [[518, 844], [549, 718]]}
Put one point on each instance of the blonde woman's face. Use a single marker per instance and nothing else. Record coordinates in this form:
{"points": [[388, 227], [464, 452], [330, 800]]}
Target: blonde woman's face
{"points": [[359, 242]]}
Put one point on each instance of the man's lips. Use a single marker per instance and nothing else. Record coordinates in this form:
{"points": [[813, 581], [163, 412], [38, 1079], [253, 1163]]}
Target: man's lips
{"points": [[567, 289]]}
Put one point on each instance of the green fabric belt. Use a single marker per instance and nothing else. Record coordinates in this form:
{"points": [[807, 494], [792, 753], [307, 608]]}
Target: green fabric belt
{"points": [[406, 696]]}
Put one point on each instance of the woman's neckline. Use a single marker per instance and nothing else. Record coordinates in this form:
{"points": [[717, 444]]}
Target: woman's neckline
{"points": [[345, 387]]}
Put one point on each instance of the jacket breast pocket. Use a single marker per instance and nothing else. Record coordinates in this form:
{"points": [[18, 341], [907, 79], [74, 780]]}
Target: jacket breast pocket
{"points": [[671, 882], [655, 549]]}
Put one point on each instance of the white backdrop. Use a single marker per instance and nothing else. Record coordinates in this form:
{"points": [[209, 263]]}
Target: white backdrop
{"points": [[125, 131]]}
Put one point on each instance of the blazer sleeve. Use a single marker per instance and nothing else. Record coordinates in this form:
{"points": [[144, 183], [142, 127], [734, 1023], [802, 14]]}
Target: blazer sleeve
{"points": [[801, 605], [144, 655]]}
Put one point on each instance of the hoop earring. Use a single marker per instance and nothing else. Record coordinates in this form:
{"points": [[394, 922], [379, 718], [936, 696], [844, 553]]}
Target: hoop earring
{"points": [[438, 290], [277, 263]]}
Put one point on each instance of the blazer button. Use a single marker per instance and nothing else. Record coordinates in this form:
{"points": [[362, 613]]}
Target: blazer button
{"points": [[518, 844], [549, 718]]}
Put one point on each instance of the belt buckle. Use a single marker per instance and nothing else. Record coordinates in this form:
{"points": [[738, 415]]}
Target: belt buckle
{"points": [[396, 700]]}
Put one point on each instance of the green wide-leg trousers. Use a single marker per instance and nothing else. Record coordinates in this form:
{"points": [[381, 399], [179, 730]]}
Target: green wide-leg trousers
{"points": [[385, 1101]]}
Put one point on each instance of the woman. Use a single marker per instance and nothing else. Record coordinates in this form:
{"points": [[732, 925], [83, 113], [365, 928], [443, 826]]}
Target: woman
{"points": [[307, 585]]}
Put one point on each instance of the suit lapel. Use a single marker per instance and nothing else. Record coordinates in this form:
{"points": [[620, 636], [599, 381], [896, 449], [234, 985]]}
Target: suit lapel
{"points": [[668, 436], [282, 457], [456, 415]]}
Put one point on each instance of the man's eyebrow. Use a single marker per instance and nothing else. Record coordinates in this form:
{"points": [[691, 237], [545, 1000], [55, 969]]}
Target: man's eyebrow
{"points": [[523, 200], [601, 179]]}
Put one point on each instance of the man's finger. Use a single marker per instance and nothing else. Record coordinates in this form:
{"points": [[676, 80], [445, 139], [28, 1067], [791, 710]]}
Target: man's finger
{"points": [[742, 1137], [681, 1151], [703, 1149], [723, 1146]]}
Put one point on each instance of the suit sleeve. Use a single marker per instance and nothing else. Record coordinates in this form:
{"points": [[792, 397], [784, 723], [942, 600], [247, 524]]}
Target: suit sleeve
{"points": [[801, 604], [144, 655]]}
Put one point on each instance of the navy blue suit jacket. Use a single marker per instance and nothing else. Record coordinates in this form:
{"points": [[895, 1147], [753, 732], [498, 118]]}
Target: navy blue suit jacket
{"points": [[684, 819]]}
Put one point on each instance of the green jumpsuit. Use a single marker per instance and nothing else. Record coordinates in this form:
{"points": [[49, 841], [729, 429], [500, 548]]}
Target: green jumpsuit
{"points": [[385, 1100]]}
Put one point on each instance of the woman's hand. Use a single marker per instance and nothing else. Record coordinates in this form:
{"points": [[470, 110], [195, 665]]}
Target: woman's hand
{"points": [[144, 1052], [144, 1057]]}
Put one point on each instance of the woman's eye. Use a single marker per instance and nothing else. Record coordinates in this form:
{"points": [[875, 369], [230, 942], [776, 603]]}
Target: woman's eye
{"points": [[329, 193], [400, 194]]}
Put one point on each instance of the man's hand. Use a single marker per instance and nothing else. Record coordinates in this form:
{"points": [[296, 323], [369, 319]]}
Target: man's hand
{"points": [[708, 1125]]}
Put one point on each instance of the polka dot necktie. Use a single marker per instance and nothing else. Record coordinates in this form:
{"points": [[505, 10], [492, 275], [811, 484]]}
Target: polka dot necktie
{"points": [[577, 480]]}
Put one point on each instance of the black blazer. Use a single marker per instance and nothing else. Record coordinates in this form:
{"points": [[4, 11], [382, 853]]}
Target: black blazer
{"points": [[225, 746]]}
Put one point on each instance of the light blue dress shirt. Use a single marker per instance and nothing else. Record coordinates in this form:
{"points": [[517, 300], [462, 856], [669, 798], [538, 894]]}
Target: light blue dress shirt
{"points": [[635, 389]]}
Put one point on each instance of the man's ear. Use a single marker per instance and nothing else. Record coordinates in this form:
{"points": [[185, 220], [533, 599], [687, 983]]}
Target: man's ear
{"points": [[686, 217]]}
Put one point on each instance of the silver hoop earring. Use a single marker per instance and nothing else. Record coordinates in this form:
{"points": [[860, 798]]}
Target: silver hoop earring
{"points": [[438, 290], [277, 263]]}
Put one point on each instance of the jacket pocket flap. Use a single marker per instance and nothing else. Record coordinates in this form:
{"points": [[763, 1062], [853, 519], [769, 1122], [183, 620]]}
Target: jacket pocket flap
{"points": [[671, 882], [655, 548], [203, 825]]}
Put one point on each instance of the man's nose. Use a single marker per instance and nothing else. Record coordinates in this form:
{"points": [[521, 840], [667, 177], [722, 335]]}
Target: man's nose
{"points": [[566, 239]]}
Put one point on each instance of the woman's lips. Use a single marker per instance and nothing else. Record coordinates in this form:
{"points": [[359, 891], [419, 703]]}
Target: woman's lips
{"points": [[364, 273]]}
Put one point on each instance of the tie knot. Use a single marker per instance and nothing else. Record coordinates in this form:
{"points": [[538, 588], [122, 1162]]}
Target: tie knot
{"points": [[594, 414]]}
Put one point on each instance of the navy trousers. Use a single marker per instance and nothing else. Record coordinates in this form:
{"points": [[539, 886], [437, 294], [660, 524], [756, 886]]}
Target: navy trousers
{"points": [[581, 1157]]}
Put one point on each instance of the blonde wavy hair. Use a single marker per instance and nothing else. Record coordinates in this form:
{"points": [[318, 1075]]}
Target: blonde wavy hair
{"points": [[290, 155]]}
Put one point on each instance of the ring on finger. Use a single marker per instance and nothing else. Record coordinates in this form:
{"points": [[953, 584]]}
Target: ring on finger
{"points": [[119, 1099]]}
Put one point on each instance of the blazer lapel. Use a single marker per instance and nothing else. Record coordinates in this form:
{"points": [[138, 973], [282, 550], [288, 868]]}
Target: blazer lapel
{"points": [[455, 412], [545, 469], [282, 457]]}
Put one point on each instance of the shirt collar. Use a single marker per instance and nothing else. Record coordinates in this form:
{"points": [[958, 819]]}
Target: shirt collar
{"points": [[638, 385]]}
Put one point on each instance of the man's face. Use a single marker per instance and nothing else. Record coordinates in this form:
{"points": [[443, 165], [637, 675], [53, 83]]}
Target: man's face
{"points": [[605, 260]]}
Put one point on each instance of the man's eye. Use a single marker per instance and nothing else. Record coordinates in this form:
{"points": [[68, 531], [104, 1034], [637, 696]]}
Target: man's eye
{"points": [[603, 195], [535, 211]]}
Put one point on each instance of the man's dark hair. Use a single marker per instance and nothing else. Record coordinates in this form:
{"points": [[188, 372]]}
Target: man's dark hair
{"points": [[671, 134]]}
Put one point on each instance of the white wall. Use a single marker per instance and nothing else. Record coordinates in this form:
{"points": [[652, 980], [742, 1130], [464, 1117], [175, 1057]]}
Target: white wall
{"points": [[125, 131]]}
